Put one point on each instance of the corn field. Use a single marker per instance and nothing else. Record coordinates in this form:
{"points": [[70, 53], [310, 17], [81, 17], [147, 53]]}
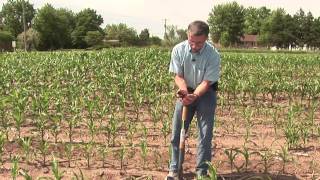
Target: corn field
{"points": [[107, 115]]}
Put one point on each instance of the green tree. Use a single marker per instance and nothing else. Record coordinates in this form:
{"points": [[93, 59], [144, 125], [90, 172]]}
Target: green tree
{"points": [[182, 34], [93, 38], [155, 40], [227, 21], [316, 32], [144, 37], [32, 40], [1, 22], [54, 27], [5, 40], [121, 32], [12, 16], [86, 20], [254, 18], [66, 25], [274, 30], [174, 35]]}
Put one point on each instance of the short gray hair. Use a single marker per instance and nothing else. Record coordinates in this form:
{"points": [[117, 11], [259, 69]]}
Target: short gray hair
{"points": [[198, 28]]}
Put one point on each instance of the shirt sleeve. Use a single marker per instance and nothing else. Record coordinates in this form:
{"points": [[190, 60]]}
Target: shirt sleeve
{"points": [[175, 63], [212, 72]]}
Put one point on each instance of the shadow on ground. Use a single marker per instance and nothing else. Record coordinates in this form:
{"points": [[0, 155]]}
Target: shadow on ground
{"points": [[247, 176]]}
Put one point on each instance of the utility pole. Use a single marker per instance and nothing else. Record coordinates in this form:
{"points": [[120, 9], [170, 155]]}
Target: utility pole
{"points": [[165, 28], [24, 26]]}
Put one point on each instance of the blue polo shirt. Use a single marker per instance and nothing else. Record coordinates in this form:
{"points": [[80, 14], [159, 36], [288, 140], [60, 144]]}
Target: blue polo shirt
{"points": [[195, 67]]}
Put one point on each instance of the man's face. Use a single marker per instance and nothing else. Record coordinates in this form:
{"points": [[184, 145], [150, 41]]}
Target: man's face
{"points": [[196, 42]]}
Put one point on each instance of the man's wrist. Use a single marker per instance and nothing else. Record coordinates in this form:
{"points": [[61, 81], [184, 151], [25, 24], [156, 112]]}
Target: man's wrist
{"points": [[196, 95]]}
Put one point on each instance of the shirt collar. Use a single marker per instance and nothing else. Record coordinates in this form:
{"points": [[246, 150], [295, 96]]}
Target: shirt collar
{"points": [[201, 50]]}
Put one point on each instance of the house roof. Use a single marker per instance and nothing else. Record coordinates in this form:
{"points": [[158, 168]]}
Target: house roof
{"points": [[249, 38]]}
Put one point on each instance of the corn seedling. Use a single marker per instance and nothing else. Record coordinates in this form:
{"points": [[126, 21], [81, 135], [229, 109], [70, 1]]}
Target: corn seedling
{"points": [[58, 175], [231, 154], [68, 150], [144, 151], [246, 155], [165, 130], [266, 157], [212, 171], [26, 147], [2, 143], [285, 157], [88, 151], [25, 175], [15, 167], [44, 147], [122, 155], [103, 151]]}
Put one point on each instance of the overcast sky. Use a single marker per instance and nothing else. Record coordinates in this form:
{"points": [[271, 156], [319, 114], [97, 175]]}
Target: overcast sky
{"points": [[151, 14]]}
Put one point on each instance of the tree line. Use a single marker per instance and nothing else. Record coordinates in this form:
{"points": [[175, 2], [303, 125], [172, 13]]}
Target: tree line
{"points": [[49, 28], [229, 22]]}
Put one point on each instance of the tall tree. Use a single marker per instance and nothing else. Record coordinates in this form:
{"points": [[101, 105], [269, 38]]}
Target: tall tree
{"points": [[54, 27], [254, 18], [12, 15], [299, 18], [316, 32], [121, 32], [66, 25], [274, 30], [86, 20], [144, 37], [226, 22]]}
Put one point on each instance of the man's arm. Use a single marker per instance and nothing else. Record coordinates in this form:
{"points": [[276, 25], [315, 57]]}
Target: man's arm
{"points": [[202, 88], [181, 83]]}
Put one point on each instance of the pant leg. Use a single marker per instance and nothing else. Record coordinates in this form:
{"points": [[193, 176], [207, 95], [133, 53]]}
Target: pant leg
{"points": [[176, 128], [205, 108]]}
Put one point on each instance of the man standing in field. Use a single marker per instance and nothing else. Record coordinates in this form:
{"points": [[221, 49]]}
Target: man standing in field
{"points": [[196, 65]]}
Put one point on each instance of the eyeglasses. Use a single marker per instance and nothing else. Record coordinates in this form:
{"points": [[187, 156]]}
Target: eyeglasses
{"points": [[196, 43]]}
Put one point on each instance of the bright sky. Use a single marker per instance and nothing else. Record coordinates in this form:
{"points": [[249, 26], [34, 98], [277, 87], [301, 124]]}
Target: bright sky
{"points": [[151, 14]]}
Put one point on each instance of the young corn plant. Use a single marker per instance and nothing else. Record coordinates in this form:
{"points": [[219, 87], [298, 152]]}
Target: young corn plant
{"points": [[103, 151], [15, 167], [247, 113], [91, 105], [246, 155], [19, 99], [122, 155], [2, 143], [231, 154], [44, 147], [212, 170], [132, 129], [304, 132], [68, 149], [25, 175], [25, 143], [4, 121], [285, 157], [56, 126], [112, 129], [73, 121], [275, 121], [165, 130], [266, 157], [18, 116], [58, 174], [291, 131], [144, 151], [88, 151], [56, 120]]}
